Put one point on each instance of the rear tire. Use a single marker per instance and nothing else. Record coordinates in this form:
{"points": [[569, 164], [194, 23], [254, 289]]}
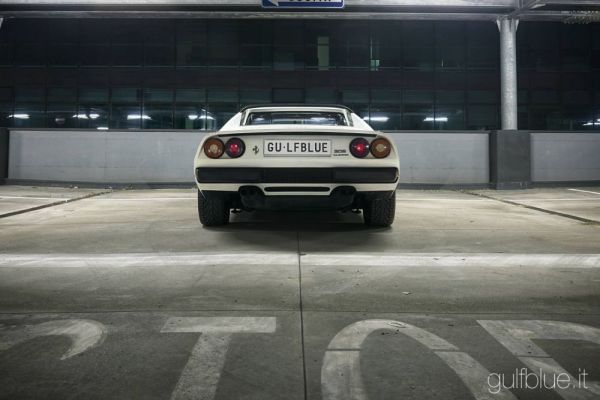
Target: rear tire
{"points": [[212, 210], [380, 212]]}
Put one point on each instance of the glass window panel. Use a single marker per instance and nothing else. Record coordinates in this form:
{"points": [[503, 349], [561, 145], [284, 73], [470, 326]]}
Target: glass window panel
{"points": [[127, 54], [63, 55], [385, 118], [93, 95], [418, 58], [24, 95], [6, 114], [288, 58], [30, 54], [157, 116], [222, 33], [192, 31], [223, 96], [321, 96], [388, 32], [94, 31], [288, 33], [577, 97], [160, 55], [222, 55], [64, 31], [288, 95], [450, 57], [256, 56], [30, 115], [576, 60], [159, 31], [483, 57], [355, 96], [482, 117], [418, 34], [544, 97], [255, 96], [95, 55], [385, 96], [158, 96], [93, 116], [192, 117], [577, 119], [418, 97], [59, 115], [6, 95], [256, 32], [191, 54], [126, 31], [390, 57], [450, 96], [449, 117], [418, 116], [31, 31], [482, 96], [124, 95], [544, 117], [62, 95], [190, 96], [7, 52], [351, 56], [218, 114], [125, 117]]}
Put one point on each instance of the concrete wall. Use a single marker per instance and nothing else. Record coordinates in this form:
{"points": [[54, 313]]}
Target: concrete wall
{"points": [[437, 158], [562, 157], [443, 158], [103, 156]]}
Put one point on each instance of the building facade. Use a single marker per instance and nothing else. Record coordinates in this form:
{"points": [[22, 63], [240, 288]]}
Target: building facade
{"points": [[195, 73]]}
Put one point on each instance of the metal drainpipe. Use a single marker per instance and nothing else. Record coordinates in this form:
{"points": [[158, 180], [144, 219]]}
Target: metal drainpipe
{"points": [[508, 72]]}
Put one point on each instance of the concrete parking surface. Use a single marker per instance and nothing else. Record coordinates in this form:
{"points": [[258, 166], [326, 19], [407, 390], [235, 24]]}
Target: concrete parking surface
{"points": [[124, 295]]}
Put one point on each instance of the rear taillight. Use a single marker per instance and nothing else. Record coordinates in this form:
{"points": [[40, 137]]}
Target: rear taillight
{"points": [[235, 147], [381, 148], [359, 147], [214, 148]]}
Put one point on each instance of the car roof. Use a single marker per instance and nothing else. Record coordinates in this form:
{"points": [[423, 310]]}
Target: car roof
{"points": [[300, 106]]}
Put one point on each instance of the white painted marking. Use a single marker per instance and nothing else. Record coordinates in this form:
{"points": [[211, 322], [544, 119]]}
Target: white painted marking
{"points": [[84, 334], [142, 260], [584, 191], [341, 376], [454, 260], [201, 374], [446, 260], [142, 198], [34, 198], [518, 337]]}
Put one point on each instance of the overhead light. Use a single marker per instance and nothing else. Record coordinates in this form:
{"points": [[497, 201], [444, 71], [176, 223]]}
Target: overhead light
{"points": [[102, 128], [19, 116], [375, 118], [436, 119], [94, 115], [138, 116], [194, 117], [80, 116]]}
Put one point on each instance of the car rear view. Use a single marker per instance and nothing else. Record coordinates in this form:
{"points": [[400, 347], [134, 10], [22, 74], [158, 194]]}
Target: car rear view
{"points": [[285, 157]]}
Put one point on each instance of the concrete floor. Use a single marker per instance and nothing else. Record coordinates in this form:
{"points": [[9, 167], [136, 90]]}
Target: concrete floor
{"points": [[124, 295]]}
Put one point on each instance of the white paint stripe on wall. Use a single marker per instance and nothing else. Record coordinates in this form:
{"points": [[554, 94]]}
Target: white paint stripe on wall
{"points": [[446, 260]]}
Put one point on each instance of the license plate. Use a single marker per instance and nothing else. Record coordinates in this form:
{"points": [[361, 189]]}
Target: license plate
{"points": [[301, 147]]}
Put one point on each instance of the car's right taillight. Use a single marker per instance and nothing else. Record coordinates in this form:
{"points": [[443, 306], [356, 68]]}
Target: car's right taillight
{"points": [[214, 148], [359, 147], [381, 148]]}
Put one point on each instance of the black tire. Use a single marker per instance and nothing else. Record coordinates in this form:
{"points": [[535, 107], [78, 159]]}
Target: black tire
{"points": [[212, 210], [380, 212]]}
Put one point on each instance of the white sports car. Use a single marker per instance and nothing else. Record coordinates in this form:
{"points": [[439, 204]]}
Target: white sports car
{"points": [[289, 157]]}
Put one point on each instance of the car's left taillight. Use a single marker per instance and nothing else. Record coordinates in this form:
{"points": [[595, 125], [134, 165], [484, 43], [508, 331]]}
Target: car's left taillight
{"points": [[214, 148]]}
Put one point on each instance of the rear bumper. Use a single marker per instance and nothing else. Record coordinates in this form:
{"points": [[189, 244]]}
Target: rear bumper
{"points": [[297, 175]]}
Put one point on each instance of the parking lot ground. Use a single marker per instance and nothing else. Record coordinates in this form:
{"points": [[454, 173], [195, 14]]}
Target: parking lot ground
{"points": [[124, 295], [16, 199]]}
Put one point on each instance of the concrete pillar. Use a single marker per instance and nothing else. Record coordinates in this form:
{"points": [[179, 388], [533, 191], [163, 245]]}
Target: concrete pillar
{"points": [[508, 72]]}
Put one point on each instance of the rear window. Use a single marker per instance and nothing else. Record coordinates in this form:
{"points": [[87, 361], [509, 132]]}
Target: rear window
{"points": [[296, 118]]}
